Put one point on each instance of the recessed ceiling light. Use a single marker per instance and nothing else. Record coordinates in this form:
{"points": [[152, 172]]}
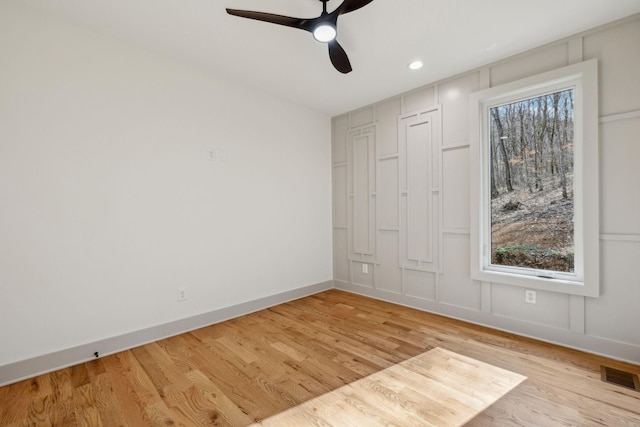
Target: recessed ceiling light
{"points": [[415, 65]]}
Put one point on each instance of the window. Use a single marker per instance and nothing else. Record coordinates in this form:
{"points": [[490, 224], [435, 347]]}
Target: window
{"points": [[534, 189]]}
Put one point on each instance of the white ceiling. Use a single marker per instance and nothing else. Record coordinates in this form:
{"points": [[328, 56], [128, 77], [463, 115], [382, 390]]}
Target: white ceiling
{"points": [[450, 36]]}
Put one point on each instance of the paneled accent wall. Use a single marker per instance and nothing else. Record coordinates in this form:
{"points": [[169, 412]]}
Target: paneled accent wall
{"points": [[401, 201]]}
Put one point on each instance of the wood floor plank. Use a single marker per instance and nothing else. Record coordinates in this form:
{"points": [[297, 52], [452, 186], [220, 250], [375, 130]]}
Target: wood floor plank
{"points": [[63, 413], [188, 404], [223, 410], [40, 411], [236, 384], [354, 353], [138, 378], [152, 369], [106, 402], [126, 389], [79, 375], [15, 404], [160, 415], [86, 406]]}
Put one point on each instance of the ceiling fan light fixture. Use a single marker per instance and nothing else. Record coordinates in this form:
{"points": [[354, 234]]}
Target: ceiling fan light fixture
{"points": [[324, 33], [324, 28]]}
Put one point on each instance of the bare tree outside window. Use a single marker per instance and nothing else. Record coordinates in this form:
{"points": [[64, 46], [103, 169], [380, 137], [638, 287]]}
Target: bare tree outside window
{"points": [[531, 170]]}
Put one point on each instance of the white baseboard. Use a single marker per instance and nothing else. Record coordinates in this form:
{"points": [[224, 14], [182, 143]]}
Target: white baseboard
{"points": [[29, 368]]}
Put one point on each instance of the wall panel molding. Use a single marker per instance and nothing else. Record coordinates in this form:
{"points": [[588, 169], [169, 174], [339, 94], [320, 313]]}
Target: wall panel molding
{"points": [[620, 237], [419, 152], [622, 116], [456, 146], [362, 144]]}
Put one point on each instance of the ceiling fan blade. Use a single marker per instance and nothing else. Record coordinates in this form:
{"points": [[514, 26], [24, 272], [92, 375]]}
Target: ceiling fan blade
{"points": [[339, 57], [287, 21], [351, 5]]}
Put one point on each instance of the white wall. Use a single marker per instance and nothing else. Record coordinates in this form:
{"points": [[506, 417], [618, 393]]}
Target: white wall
{"points": [[440, 282], [109, 200]]}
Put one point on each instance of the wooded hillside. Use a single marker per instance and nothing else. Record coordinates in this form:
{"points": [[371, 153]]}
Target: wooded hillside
{"points": [[532, 182]]}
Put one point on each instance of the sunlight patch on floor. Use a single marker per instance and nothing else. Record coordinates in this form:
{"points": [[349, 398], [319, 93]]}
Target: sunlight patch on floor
{"points": [[439, 388]]}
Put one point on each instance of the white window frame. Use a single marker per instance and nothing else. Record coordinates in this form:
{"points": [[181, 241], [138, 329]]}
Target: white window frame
{"points": [[585, 281]]}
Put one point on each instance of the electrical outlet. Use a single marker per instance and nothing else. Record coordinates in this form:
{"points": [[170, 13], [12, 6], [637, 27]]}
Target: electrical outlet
{"points": [[182, 294], [365, 268], [530, 296]]}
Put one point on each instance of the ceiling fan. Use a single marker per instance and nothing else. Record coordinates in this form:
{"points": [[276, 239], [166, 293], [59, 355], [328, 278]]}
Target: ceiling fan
{"points": [[323, 28]]}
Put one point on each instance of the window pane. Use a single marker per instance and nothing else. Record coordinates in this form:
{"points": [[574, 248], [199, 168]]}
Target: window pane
{"points": [[531, 174]]}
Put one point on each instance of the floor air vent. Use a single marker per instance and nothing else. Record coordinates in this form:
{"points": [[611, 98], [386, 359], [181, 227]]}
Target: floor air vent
{"points": [[621, 378]]}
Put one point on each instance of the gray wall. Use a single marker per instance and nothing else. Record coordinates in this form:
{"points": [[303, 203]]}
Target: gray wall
{"points": [[401, 201]]}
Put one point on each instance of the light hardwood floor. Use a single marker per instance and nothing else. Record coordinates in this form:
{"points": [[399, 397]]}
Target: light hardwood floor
{"points": [[257, 366]]}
